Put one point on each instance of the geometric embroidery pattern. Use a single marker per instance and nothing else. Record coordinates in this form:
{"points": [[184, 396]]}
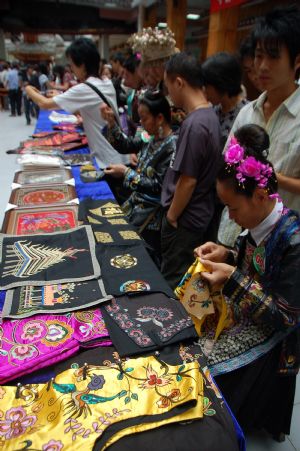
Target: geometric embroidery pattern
{"points": [[25, 259], [117, 221], [129, 235], [103, 237], [108, 210], [93, 220]]}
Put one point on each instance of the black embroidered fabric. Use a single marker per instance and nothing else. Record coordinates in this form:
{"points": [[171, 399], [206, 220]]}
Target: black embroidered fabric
{"points": [[61, 298], [108, 233], [99, 210], [48, 259], [146, 322], [129, 268], [210, 431]]}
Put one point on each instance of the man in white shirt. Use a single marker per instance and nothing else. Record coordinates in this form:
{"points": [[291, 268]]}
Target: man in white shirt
{"points": [[276, 38], [84, 61]]}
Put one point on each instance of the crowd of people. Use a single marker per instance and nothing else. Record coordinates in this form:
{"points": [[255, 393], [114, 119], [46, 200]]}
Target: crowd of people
{"points": [[14, 77], [186, 154]]}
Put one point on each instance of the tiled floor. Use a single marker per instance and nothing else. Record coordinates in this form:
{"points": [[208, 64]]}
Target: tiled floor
{"points": [[12, 131]]}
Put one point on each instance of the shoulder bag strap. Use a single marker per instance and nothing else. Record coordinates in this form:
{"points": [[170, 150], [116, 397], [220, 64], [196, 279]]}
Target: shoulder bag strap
{"points": [[105, 100]]}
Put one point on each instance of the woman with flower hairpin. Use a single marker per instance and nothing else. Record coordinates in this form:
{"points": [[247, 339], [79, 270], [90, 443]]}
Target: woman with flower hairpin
{"points": [[256, 358]]}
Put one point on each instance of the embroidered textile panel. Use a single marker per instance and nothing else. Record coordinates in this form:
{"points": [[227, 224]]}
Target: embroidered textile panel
{"points": [[99, 210], [42, 195], [214, 428], [48, 259], [24, 221], [61, 298], [89, 396], [42, 177], [28, 345], [145, 322], [129, 268], [115, 233]]}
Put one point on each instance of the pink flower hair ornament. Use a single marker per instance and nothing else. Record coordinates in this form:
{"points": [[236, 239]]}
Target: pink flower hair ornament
{"points": [[248, 166]]}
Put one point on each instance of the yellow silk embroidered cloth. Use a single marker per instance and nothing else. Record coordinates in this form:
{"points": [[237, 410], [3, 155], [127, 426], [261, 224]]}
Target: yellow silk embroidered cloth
{"points": [[199, 301], [81, 403]]}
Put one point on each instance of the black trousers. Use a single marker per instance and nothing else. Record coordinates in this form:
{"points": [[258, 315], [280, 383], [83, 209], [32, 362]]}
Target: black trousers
{"points": [[258, 396], [13, 95], [30, 109], [177, 251]]}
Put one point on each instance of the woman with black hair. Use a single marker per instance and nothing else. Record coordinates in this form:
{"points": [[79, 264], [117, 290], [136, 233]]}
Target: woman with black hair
{"points": [[222, 80], [85, 98], [256, 357], [143, 207]]}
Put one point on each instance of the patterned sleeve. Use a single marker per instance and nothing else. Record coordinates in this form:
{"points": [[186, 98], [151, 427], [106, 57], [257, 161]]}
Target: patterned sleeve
{"points": [[122, 143], [150, 180], [281, 306]]}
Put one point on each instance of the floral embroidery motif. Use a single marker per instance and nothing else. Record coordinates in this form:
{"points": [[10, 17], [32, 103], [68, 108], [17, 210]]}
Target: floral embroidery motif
{"points": [[84, 401], [16, 423], [58, 332], [156, 315], [174, 328], [23, 352], [153, 380], [33, 330], [127, 324], [166, 401], [24, 344], [53, 445]]}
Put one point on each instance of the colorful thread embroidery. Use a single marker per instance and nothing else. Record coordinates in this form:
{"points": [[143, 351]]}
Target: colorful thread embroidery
{"points": [[25, 259], [134, 285]]}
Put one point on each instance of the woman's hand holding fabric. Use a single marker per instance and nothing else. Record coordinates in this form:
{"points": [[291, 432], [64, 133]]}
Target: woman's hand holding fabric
{"points": [[218, 273], [212, 251]]}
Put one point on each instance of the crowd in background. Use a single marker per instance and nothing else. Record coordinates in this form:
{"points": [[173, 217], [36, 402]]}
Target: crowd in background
{"points": [[179, 141]]}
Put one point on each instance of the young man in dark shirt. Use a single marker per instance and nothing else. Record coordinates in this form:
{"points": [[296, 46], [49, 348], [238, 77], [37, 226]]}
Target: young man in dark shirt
{"points": [[188, 193]]}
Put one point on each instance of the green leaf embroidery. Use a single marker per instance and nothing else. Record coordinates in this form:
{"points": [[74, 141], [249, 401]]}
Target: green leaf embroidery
{"points": [[178, 378], [181, 368], [206, 410], [127, 400], [206, 402], [128, 370], [134, 396], [209, 412], [120, 376]]}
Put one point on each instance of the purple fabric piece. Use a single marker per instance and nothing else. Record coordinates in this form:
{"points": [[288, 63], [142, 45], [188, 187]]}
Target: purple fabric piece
{"points": [[30, 344]]}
